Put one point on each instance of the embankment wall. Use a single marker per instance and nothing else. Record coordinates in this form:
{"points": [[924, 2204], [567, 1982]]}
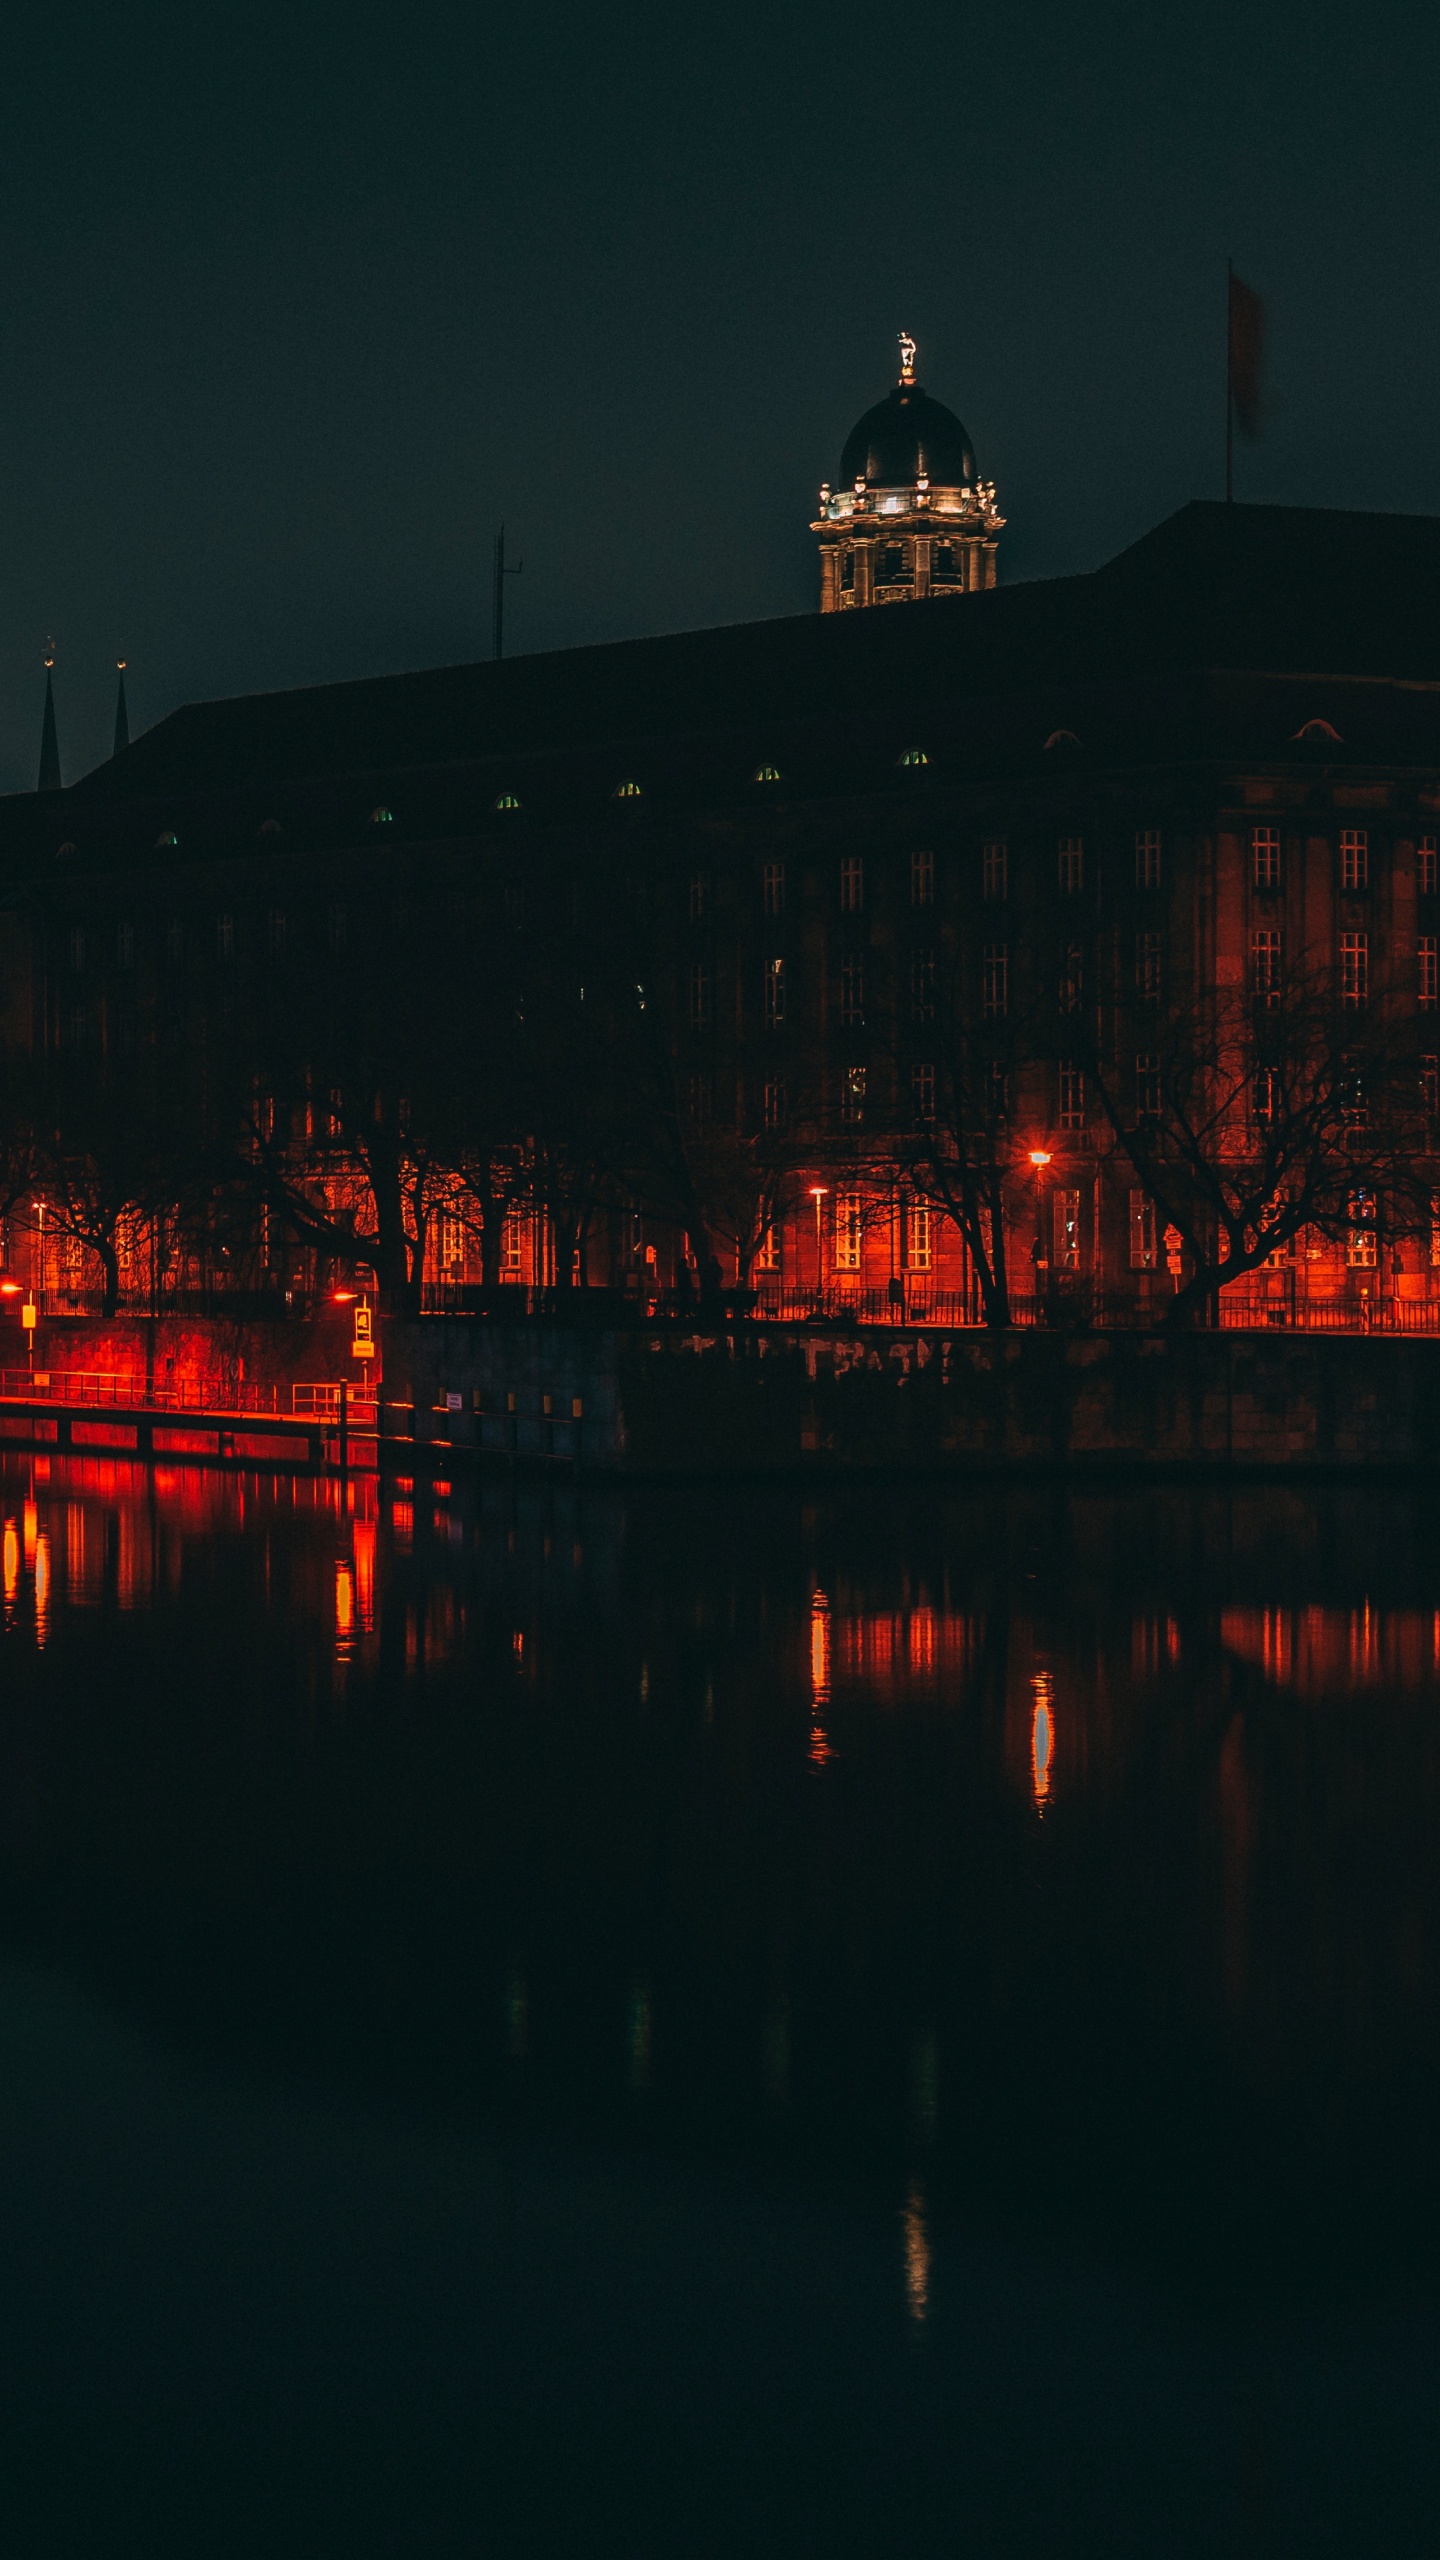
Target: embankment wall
{"points": [[780, 1399]]}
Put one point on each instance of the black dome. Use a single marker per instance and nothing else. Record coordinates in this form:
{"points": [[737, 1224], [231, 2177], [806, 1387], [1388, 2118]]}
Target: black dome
{"points": [[904, 436]]}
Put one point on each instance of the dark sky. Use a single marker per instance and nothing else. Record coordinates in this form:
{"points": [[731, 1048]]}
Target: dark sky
{"points": [[298, 302]]}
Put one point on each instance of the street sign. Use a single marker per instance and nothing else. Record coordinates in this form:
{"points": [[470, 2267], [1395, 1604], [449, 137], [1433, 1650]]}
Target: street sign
{"points": [[363, 1346]]}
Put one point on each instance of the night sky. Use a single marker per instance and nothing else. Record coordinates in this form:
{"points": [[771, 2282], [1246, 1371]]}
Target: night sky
{"points": [[298, 303]]}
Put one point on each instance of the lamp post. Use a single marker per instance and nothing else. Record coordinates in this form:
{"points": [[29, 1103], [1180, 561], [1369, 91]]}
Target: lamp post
{"points": [[1039, 1158], [818, 1194]]}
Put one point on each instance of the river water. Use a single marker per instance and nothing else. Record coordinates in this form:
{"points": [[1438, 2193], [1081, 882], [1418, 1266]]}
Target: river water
{"points": [[538, 2023]]}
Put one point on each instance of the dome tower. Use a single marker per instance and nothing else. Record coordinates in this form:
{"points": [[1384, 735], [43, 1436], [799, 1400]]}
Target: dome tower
{"points": [[911, 515]]}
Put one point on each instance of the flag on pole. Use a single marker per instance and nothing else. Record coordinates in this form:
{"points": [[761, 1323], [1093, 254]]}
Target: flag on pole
{"points": [[1247, 355]]}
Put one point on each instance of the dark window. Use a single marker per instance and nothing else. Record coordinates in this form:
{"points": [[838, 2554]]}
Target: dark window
{"points": [[773, 888], [922, 986], [1265, 857], [922, 879], [852, 992]]}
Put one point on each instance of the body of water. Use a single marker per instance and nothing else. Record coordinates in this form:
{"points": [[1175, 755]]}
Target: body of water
{"points": [[896, 2023]]}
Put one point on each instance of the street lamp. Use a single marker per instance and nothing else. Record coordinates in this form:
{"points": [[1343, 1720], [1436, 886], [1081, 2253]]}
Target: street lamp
{"points": [[1039, 1158], [817, 1194]]}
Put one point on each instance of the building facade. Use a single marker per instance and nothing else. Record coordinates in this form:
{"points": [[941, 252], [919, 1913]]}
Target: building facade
{"points": [[834, 960]]}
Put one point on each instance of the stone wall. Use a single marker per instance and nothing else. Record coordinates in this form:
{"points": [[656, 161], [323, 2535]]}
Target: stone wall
{"points": [[778, 1398]]}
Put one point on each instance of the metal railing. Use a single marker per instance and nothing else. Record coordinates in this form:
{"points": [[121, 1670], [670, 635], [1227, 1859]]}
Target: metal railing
{"points": [[312, 1401]]}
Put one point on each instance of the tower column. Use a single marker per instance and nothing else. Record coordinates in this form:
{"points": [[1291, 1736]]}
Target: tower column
{"points": [[864, 555]]}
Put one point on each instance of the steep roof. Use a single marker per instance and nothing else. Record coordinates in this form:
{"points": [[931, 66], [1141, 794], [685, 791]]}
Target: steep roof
{"points": [[1261, 589]]}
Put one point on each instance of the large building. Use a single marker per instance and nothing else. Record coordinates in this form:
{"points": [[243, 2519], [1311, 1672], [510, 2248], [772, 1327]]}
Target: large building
{"points": [[965, 879]]}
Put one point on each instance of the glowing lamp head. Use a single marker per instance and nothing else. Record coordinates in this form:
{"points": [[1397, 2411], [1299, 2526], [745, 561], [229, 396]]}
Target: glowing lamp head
{"points": [[1040, 1157], [9, 1289], [344, 1297]]}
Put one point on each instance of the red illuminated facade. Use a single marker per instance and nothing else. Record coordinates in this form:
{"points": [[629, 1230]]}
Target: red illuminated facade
{"points": [[837, 869]]}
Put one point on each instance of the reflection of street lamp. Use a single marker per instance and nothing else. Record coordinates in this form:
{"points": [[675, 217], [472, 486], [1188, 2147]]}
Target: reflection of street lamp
{"points": [[817, 1194]]}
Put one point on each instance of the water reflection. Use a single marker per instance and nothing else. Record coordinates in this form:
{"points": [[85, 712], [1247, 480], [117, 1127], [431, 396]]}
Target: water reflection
{"points": [[1123, 1808]]}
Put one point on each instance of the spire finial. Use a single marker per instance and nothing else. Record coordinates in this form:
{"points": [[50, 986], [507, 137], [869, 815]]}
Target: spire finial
{"points": [[122, 717], [49, 743], [907, 356]]}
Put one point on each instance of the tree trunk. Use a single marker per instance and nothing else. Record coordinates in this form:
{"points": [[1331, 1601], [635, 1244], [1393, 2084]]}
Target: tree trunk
{"points": [[109, 1260]]}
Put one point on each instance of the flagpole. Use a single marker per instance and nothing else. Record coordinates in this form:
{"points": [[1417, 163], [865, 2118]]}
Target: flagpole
{"points": [[1229, 385]]}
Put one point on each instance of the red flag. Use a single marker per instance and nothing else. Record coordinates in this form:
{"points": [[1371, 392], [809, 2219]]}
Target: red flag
{"points": [[1247, 355]]}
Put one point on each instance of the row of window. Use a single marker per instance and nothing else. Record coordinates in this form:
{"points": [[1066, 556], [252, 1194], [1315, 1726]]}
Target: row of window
{"points": [[184, 939], [994, 984], [1354, 860], [1265, 855]]}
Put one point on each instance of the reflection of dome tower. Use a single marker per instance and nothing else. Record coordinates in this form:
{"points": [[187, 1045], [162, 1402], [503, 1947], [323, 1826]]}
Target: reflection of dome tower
{"points": [[912, 517]]}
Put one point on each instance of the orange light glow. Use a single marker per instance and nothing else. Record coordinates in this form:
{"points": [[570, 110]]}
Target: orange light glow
{"points": [[1042, 1736], [11, 1563], [9, 1289], [1040, 1157], [42, 1588], [344, 1601], [820, 1650], [917, 2255]]}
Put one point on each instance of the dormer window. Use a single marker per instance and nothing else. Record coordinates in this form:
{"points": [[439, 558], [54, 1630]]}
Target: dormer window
{"points": [[627, 791], [507, 800], [382, 817]]}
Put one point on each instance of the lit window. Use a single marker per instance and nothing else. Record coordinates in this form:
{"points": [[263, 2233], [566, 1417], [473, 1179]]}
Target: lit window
{"points": [[1147, 858], [1147, 968], [1265, 858], [767, 1257], [1427, 970], [1354, 858], [922, 986], [1072, 1096], [699, 996], [1142, 1232], [852, 992], [772, 884], [1267, 1096], [995, 979], [1425, 866], [1354, 968], [922, 1092], [775, 995], [699, 894], [1071, 863], [852, 1097], [507, 800], [852, 883], [995, 869], [627, 791], [915, 1235], [914, 756], [1265, 965], [1362, 1241], [382, 817], [922, 879], [1147, 1084], [767, 773], [1067, 1230], [169, 838], [849, 1231]]}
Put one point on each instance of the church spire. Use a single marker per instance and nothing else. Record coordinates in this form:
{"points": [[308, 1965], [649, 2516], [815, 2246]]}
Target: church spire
{"points": [[49, 743], [122, 717]]}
